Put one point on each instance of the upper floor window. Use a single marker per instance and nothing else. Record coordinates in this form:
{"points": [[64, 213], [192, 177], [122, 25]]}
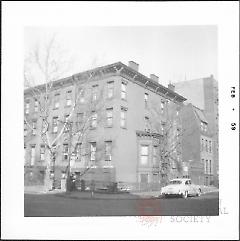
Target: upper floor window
{"points": [[123, 121], [210, 146], [69, 98], [108, 150], [144, 153], [66, 123], [147, 123], [206, 145], [146, 99], [36, 105], [94, 120], [210, 166], [65, 151], [81, 94], [202, 144], [56, 100], [55, 124], [162, 105], [94, 92], [34, 127], [27, 106], [78, 152], [42, 152], [33, 154], [123, 90], [206, 166], [93, 149], [109, 117], [25, 128], [110, 89]]}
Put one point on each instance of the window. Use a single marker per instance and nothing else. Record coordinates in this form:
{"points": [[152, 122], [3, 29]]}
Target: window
{"points": [[33, 151], [147, 124], [109, 117], [144, 152], [78, 152], [210, 166], [27, 106], [123, 122], [206, 166], [81, 95], [205, 127], [94, 120], [162, 105], [69, 98], [110, 89], [202, 126], [25, 128], [206, 145], [94, 92], [93, 151], [155, 156], [36, 105], [146, 99], [65, 152], [79, 120], [55, 124], [42, 152], [66, 123], [202, 144], [34, 127], [56, 100], [108, 150], [123, 91], [210, 147], [25, 155]]}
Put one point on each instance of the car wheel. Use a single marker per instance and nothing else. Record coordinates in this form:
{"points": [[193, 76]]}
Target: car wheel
{"points": [[199, 192], [185, 194]]}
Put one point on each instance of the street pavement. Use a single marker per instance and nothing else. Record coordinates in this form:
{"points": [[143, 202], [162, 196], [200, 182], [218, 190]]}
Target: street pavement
{"points": [[77, 204]]}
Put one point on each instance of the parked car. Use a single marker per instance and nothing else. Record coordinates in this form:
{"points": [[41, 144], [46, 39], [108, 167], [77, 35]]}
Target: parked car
{"points": [[181, 187]]}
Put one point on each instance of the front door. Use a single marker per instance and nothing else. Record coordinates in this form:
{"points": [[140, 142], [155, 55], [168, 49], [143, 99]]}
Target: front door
{"points": [[143, 181]]}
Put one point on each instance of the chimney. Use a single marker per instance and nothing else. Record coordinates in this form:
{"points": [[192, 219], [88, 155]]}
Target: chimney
{"points": [[171, 86], [154, 77], [133, 65]]}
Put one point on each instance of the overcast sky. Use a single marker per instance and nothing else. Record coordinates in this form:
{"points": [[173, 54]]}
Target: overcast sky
{"points": [[174, 53]]}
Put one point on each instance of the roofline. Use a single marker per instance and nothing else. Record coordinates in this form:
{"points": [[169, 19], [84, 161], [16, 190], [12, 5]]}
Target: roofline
{"points": [[91, 71]]}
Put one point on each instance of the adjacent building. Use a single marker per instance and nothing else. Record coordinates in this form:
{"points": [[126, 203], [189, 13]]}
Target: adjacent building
{"points": [[203, 93], [197, 145], [125, 114]]}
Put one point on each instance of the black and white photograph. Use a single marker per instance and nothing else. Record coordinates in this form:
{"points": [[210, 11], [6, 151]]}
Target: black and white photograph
{"points": [[123, 123], [105, 140]]}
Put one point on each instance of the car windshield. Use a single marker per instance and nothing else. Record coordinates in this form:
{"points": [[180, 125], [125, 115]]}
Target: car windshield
{"points": [[175, 182]]}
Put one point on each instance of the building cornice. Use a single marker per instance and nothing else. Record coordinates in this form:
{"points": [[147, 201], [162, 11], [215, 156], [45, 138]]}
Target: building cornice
{"points": [[114, 69]]}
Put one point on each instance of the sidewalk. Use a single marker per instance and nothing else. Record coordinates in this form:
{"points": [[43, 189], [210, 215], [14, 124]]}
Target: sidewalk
{"points": [[40, 190]]}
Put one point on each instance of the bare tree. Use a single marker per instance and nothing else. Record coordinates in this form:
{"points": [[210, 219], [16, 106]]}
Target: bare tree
{"points": [[164, 120], [48, 63]]}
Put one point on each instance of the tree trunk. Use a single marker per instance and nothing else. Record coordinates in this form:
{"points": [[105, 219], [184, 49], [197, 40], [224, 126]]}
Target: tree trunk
{"points": [[47, 179]]}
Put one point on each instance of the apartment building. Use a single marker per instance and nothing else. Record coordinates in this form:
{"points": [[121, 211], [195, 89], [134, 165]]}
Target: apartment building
{"points": [[203, 93], [125, 114], [197, 145]]}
